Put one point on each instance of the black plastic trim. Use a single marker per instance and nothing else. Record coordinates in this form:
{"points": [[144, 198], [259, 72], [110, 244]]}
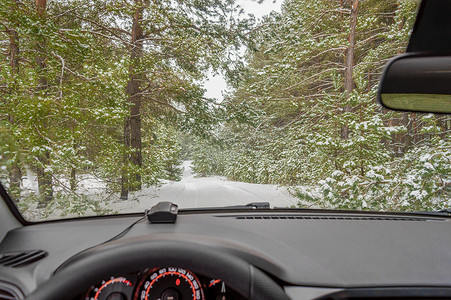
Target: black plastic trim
{"points": [[387, 67], [327, 217], [238, 212], [12, 207], [416, 25], [431, 31]]}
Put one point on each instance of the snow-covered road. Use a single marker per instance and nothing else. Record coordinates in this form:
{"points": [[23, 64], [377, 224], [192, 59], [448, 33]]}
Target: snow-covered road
{"points": [[212, 191], [189, 192]]}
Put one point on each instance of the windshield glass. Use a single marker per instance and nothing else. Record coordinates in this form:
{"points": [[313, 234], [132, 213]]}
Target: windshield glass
{"points": [[109, 107]]}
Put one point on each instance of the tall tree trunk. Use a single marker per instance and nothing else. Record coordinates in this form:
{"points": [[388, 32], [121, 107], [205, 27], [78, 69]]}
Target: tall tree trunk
{"points": [[349, 63], [443, 122], [73, 179], [73, 170], [126, 163], [45, 181], [15, 174], [132, 127], [397, 145], [407, 139], [41, 6]]}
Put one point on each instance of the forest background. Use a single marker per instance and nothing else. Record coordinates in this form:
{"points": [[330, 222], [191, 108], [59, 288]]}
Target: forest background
{"points": [[114, 90]]}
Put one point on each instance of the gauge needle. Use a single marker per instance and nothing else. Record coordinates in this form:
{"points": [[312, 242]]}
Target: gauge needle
{"points": [[214, 282]]}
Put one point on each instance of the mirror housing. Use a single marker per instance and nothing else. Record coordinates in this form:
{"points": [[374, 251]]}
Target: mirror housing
{"points": [[417, 83]]}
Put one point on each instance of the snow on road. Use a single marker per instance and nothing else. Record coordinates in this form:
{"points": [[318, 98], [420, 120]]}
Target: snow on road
{"points": [[190, 192], [212, 191]]}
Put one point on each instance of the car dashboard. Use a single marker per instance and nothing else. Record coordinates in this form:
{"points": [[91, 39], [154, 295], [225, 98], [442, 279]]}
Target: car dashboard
{"points": [[160, 283], [309, 254]]}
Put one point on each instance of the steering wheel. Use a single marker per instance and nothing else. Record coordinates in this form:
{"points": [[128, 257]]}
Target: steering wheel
{"points": [[130, 255]]}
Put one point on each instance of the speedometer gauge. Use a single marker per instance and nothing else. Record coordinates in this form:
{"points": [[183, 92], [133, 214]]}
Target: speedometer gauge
{"points": [[112, 289], [170, 284]]}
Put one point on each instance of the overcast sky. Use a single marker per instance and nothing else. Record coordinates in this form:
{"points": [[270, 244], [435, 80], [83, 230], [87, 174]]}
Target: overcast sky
{"points": [[216, 84]]}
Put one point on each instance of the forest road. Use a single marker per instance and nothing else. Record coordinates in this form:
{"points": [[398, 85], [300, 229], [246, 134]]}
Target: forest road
{"points": [[214, 191]]}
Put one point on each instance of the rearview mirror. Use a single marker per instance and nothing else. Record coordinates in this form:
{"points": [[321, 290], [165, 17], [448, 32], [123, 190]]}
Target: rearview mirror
{"points": [[417, 83]]}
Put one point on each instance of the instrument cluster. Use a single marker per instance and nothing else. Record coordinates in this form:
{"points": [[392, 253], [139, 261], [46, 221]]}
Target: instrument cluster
{"points": [[165, 283]]}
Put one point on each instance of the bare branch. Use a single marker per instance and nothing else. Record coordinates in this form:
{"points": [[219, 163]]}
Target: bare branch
{"points": [[63, 64]]}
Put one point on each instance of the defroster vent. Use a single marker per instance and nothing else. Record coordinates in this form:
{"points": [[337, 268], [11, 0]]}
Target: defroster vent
{"points": [[21, 258], [328, 217], [5, 295]]}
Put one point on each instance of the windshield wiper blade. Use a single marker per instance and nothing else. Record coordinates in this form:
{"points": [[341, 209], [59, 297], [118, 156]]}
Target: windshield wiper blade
{"points": [[441, 212], [252, 205]]}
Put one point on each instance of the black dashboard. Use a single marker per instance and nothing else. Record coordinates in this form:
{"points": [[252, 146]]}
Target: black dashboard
{"points": [[310, 254]]}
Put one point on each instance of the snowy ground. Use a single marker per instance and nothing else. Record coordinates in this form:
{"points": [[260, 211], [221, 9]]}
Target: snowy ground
{"points": [[190, 192], [194, 191]]}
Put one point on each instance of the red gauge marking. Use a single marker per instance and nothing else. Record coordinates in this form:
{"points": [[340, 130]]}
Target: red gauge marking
{"points": [[111, 281], [171, 273], [177, 282], [214, 282]]}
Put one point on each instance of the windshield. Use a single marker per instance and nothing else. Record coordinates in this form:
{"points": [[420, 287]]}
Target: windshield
{"points": [[109, 107]]}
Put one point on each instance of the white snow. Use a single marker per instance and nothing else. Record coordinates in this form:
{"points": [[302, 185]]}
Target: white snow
{"points": [[212, 191], [190, 192]]}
